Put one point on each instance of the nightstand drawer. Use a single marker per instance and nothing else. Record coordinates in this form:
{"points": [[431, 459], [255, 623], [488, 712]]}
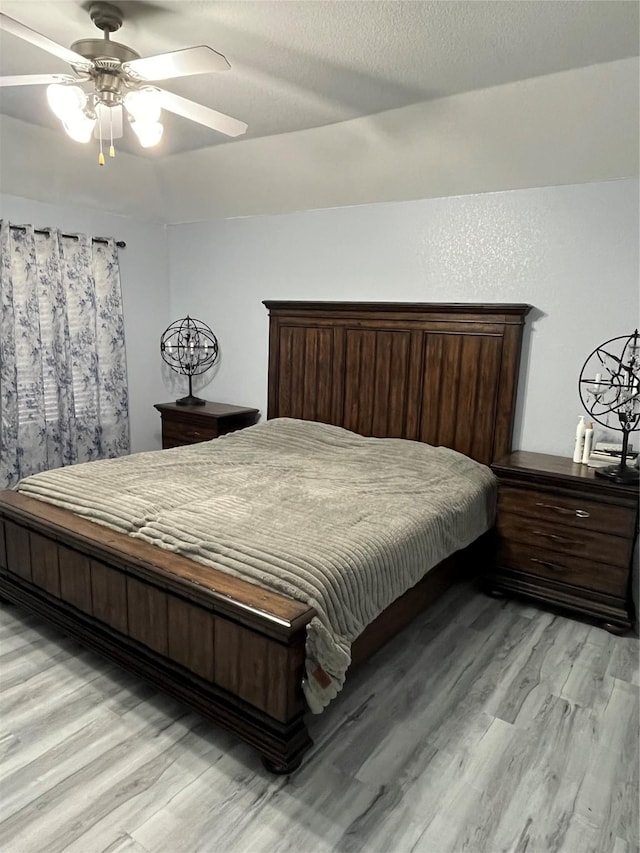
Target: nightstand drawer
{"points": [[187, 434], [192, 424], [567, 510], [565, 568], [565, 539]]}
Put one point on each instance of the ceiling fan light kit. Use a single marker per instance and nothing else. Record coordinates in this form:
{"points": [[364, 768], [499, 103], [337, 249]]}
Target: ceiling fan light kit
{"points": [[120, 79]]}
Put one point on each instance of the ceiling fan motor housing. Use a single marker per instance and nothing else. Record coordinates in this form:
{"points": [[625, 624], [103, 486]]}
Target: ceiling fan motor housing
{"points": [[107, 54], [107, 57]]}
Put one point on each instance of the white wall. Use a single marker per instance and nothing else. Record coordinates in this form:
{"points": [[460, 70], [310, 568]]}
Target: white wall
{"points": [[570, 251], [144, 279]]}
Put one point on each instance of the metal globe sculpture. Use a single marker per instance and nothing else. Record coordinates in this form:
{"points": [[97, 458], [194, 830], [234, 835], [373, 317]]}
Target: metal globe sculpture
{"points": [[609, 384], [189, 347]]}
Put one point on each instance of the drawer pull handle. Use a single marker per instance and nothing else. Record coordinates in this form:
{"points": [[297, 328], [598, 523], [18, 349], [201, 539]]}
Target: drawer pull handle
{"points": [[548, 565], [581, 513], [193, 434], [557, 538]]}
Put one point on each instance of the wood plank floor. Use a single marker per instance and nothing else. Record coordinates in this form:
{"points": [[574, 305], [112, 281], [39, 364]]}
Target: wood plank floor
{"points": [[487, 726]]}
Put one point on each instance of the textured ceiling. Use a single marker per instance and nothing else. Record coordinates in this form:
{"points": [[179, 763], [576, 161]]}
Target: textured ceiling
{"points": [[298, 65]]}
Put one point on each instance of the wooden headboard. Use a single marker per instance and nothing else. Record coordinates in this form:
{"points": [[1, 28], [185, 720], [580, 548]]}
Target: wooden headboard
{"points": [[445, 374]]}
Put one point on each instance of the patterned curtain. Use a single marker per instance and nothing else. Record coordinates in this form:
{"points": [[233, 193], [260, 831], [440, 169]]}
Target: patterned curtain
{"points": [[63, 380]]}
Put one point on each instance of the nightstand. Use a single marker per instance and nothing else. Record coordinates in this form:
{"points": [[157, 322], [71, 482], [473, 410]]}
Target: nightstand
{"points": [[565, 537], [191, 424]]}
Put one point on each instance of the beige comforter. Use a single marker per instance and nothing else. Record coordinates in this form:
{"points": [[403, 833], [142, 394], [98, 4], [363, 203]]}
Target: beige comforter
{"points": [[339, 521]]}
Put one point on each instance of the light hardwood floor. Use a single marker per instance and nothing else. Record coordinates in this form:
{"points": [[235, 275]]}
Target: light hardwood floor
{"points": [[488, 726]]}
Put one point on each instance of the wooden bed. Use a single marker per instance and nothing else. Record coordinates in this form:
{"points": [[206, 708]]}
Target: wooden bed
{"points": [[439, 373]]}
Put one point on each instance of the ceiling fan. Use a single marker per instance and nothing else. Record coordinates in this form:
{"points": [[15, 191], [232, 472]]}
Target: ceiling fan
{"points": [[111, 79]]}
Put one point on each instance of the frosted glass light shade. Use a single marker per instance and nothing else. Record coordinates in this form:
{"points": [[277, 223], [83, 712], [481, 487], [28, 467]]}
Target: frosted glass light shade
{"points": [[148, 133], [65, 101], [79, 127], [144, 105]]}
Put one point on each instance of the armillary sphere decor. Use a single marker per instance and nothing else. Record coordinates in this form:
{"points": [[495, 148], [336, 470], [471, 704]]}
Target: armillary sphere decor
{"points": [[189, 347], [610, 384]]}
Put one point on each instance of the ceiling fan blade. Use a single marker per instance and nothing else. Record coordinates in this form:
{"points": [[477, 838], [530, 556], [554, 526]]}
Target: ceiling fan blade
{"points": [[27, 34], [203, 115], [178, 63], [109, 123], [36, 79]]}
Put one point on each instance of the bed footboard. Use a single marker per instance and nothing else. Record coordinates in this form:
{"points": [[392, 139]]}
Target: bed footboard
{"points": [[232, 651]]}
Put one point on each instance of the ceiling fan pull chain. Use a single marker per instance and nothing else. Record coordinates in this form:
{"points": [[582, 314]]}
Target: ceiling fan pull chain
{"points": [[112, 150], [101, 155]]}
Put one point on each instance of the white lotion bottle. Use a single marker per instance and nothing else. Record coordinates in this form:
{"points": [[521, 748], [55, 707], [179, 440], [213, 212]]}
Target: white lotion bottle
{"points": [[588, 444], [579, 445]]}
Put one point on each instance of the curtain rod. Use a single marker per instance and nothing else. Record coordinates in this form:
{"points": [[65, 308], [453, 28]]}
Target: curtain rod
{"points": [[119, 243]]}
